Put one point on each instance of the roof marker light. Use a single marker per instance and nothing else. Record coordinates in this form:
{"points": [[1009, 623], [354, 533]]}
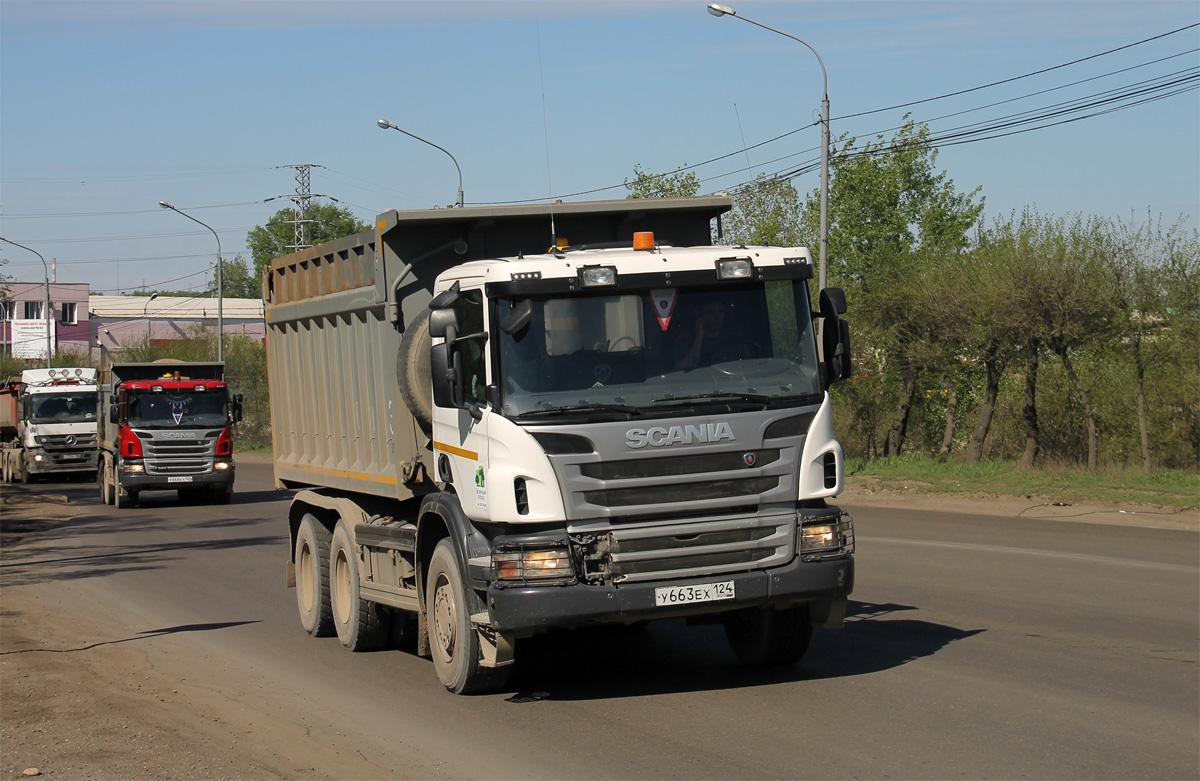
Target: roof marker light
{"points": [[643, 240]]}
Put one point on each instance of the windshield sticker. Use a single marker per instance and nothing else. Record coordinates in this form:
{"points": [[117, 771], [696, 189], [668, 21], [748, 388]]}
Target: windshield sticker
{"points": [[664, 305]]}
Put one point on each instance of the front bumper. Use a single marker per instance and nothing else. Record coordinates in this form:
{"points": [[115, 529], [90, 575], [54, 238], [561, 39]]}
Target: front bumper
{"points": [[140, 481], [57, 462], [537, 608]]}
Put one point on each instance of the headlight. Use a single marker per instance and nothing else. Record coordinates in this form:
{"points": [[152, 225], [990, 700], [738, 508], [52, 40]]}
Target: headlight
{"points": [[827, 538], [136, 469], [598, 276], [221, 466], [734, 268], [533, 564], [38, 457]]}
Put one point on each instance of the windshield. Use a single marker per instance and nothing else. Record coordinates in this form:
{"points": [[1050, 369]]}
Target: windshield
{"points": [[74, 407], [655, 351], [174, 409]]}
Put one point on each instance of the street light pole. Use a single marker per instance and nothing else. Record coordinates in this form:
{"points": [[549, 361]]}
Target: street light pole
{"points": [[385, 124], [145, 311], [721, 10], [220, 282], [49, 348]]}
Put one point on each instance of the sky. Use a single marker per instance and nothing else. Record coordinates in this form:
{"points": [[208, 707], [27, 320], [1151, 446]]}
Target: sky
{"points": [[107, 108]]}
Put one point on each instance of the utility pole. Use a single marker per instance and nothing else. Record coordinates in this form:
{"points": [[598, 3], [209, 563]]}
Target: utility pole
{"points": [[301, 198]]}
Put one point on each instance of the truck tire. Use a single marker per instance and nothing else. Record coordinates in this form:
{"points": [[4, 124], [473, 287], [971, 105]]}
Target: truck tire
{"points": [[765, 637], [413, 374], [123, 498], [27, 477], [102, 482], [312, 577], [360, 625], [453, 642]]}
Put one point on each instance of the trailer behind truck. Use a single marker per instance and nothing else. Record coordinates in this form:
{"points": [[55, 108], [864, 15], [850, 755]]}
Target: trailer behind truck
{"points": [[514, 419]]}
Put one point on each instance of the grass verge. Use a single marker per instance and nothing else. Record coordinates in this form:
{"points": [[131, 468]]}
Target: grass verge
{"points": [[1168, 487]]}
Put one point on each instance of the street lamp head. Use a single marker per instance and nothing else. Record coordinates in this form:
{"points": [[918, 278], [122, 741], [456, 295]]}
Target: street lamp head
{"points": [[386, 125], [165, 205], [716, 9]]}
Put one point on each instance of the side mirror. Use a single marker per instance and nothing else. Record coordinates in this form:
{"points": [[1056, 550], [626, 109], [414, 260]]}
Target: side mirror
{"points": [[237, 407], [445, 368], [445, 298], [835, 335], [518, 317], [441, 321], [114, 415]]}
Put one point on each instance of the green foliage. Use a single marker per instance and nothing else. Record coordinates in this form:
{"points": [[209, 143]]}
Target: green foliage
{"points": [[328, 222], [648, 185], [765, 211], [1171, 488]]}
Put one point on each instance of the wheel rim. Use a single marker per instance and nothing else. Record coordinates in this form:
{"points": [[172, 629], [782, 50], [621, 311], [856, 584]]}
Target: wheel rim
{"points": [[304, 563], [341, 577], [444, 612]]}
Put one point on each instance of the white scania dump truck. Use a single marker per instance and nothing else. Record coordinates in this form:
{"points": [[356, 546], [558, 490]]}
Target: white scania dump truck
{"points": [[499, 439]]}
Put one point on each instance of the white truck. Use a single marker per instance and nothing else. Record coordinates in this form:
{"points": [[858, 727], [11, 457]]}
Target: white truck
{"points": [[48, 423], [499, 439]]}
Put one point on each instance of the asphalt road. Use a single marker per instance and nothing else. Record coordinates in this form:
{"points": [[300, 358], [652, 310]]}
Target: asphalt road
{"points": [[976, 647]]}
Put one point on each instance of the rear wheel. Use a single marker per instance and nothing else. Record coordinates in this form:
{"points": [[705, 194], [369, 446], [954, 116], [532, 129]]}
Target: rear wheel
{"points": [[312, 577], [765, 637], [360, 625], [452, 638]]}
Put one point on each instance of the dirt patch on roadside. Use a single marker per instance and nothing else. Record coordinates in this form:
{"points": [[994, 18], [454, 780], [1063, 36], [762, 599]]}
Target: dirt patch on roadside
{"points": [[83, 701]]}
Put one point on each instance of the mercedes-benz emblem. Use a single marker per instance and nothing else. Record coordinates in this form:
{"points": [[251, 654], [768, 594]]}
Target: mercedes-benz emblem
{"points": [[71, 440]]}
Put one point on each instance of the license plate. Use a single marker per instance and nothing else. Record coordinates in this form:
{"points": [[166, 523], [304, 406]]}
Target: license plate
{"points": [[685, 595], [180, 479]]}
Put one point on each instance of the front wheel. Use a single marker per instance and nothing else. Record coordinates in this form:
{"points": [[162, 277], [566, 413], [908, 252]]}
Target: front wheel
{"points": [[765, 637], [453, 641], [360, 625]]}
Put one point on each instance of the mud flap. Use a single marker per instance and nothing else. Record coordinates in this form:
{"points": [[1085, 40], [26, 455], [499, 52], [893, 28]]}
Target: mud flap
{"points": [[495, 648], [829, 613]]}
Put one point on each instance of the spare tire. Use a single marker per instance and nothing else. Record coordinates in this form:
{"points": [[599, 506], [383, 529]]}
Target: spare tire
{"points": [[413, 374]]}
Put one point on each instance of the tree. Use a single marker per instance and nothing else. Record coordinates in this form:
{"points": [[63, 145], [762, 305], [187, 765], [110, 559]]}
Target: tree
{"points": [[276, 238], [236, 280], [1149, 268], [673, 185], [765, 211], [896, 224]]}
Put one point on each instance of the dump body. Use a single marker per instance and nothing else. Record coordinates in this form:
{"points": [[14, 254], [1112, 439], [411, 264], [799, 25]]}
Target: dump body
{"points": [[336, 314], [48, 421], [166, 425], [517, 419]]}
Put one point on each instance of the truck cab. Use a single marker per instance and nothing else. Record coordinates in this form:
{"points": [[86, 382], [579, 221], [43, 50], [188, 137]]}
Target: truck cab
{"points": [[52, 412], [167, 427]]}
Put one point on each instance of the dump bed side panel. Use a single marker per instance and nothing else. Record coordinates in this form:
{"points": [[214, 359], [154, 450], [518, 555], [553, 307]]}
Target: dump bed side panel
{"points": [[337, 418]]}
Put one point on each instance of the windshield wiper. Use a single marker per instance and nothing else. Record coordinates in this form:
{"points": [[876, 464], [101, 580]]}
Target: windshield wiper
{"points": [[717, 397], [623, 411]]}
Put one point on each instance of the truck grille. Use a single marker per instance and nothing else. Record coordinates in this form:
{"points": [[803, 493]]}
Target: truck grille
{"points": [[179, 456], [672, 549], [52, 442]]}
